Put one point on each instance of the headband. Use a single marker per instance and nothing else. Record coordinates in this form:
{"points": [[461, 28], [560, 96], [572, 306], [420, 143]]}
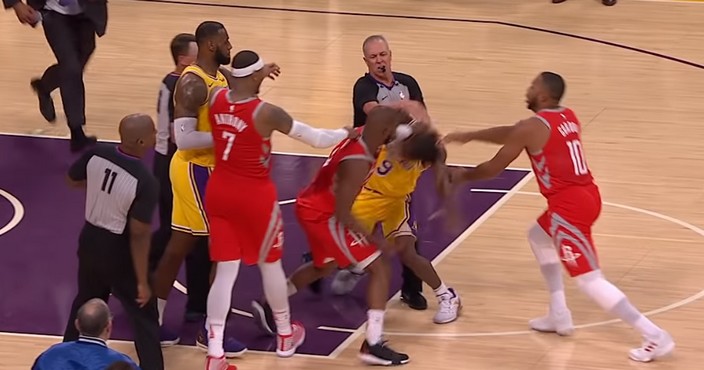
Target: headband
{"points": [[248, 70]]}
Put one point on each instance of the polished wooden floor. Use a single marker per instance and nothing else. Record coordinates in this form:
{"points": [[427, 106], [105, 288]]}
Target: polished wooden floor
{"points": [[644, 135]]}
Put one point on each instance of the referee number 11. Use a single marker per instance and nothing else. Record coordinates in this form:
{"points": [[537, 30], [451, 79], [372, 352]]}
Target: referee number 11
{"points": [[108, 180]]}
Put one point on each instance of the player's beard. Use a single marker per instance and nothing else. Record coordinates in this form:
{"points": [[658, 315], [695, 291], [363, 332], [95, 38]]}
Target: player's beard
{"points": [[531, 104], [222, 58]]}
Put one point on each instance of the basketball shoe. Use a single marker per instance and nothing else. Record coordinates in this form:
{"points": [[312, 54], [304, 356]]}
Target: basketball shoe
{"points": [[233, 348], [212, 363], [381, 354], [286, 344], [449, 306], [653, 348], [345, 281], [560, 323]]}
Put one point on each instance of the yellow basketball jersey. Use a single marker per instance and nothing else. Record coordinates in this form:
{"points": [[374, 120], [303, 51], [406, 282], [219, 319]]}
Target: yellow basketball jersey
{"points": [[392, 177], [202, 157]]}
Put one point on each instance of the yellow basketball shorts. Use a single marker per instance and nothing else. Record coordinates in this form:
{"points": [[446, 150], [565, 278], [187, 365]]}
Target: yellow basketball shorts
{"points": [[188, 183], [393, 213]]}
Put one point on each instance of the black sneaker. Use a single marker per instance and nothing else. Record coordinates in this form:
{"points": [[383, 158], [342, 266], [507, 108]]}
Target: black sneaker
{"points": [[414, 300], [46, 103], [381, 354], [264, 317]]}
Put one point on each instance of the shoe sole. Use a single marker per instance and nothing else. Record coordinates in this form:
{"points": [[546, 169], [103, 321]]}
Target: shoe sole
{"points": [[373, 360], [169, 343], [291, 352], [260, 318], [668, 351], [204, 348]]}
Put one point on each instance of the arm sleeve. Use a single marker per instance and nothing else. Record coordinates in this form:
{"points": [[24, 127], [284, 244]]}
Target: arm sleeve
{"points": [[317, 137], [77, 171], [145, 202], [187, 137], [365, 90]]}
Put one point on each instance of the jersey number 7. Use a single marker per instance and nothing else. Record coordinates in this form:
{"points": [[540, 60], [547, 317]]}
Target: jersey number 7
{"points": [[230, 137]]}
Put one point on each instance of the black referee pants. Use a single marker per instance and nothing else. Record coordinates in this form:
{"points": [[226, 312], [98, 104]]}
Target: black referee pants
{"points": [[197, 262], [104, 267], [72, 39]]}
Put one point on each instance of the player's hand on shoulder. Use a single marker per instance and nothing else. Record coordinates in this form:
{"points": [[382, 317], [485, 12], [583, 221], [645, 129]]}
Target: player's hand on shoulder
{"points": [[457, 137], [351, 132], [272, 70]]}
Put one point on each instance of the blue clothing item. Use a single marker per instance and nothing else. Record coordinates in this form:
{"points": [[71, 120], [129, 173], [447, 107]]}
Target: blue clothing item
{"points": [[86, 353]]}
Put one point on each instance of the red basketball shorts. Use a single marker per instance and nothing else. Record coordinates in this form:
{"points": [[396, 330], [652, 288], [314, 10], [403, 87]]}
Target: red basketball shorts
{"points": [[330, 241], [245, 220], [568, 220]]}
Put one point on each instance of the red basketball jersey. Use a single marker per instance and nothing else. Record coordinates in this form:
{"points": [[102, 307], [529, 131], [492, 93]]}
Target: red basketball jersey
{"points": [[561, 163], [320, 194], [240, 150]]}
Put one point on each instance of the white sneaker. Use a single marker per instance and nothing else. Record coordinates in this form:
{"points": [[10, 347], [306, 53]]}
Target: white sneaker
{"points": [[554, 323], [653, 348], [286, 345], [345, 281], [449, 306]]}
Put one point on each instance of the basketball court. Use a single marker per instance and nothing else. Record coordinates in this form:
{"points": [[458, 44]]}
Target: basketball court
{"points": [[634, 77]]}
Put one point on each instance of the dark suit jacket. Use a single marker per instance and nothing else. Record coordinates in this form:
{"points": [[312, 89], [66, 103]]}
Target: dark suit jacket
{"points": [[95, 10]]}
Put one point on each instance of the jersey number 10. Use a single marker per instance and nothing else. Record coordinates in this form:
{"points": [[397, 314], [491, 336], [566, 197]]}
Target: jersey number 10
{"points": [[578, 161], [230, 137]]}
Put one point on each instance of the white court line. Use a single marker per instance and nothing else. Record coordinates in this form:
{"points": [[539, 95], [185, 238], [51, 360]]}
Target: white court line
{"points": [[130, 342], [648, 238], [18, 211], [515, 191], [42, 136], [490, 212]]}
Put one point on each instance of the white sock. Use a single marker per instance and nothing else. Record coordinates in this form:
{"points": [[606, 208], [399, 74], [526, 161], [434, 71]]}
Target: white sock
{"points": [[442, 289], [612, 300], [375, 326], [219, 301], [276, 290], [161, 306], [291, 289], [546, 254]]}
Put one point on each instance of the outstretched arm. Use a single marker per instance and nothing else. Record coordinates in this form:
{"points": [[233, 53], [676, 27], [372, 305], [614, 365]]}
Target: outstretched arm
{"points": [[495, 135], [521, 136], [191, 93], [271, 118]]}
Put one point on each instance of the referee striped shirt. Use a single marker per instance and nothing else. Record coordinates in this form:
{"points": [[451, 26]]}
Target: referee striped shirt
{"points": [[118, 187]]}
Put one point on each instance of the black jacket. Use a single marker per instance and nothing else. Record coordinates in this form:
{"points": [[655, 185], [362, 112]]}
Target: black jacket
{"points": [[95, 10]]}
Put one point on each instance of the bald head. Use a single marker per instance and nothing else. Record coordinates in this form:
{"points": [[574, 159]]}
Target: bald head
{"points": [[93, 318], [136, 128], [378, 41]]}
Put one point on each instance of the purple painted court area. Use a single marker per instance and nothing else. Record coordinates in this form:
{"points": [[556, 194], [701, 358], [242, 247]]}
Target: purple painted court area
{"points": [[40, 251]]}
